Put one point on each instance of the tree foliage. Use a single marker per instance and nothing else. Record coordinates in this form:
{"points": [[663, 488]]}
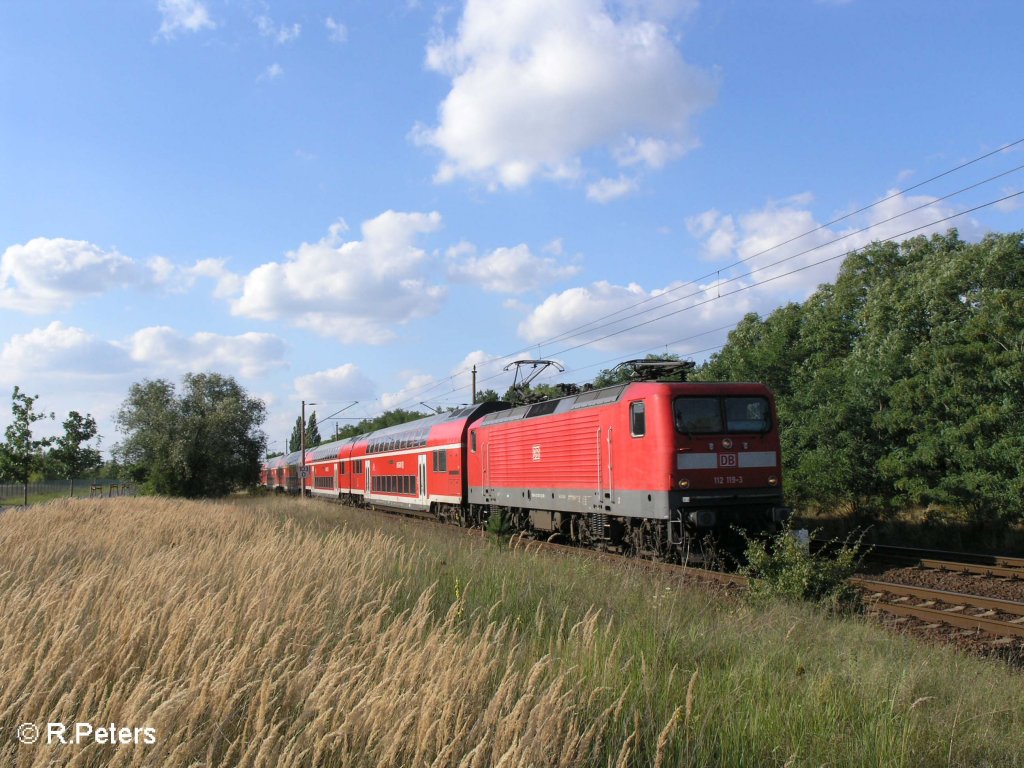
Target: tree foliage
{"points": [[901, 384], [386, 419], [20, 453], [71, 456], [205, 442], [312, 436]]}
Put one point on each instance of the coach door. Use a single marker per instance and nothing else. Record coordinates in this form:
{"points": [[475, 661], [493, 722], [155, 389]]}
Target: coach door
{"points": [[366, 478], [423, 478]]}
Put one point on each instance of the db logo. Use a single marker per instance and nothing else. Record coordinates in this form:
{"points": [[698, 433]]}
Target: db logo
{"points": [[727, 459]]}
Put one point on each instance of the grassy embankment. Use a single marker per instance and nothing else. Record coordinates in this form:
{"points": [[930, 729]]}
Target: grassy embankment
{"points": [[278, 633]]}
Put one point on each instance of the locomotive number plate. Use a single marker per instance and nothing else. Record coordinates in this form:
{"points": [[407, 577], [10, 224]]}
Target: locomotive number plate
{"points": [[729, 480], [536, 453]]}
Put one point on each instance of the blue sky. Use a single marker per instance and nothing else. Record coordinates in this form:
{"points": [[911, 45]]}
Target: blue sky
{"points": [[357, 201]]}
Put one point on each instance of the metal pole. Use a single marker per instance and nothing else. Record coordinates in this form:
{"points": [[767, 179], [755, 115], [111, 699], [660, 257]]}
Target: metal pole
{"points": [[302, 448], [473, 391]]}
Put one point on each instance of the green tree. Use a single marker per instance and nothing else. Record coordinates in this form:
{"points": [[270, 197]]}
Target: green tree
{"points": [[487, 396], [205, 442], [313, 438], [71, 457], [20, 453], [386, 419], [312, 433], [900, 384]]}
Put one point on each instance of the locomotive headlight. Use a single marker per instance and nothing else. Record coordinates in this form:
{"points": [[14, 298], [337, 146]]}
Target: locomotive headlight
{"points": [[684, 483], [727, 444], [773, 480]]}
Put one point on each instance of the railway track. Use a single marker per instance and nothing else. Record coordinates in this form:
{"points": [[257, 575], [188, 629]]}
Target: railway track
{"points": [[962, 562], [1002, 618]]}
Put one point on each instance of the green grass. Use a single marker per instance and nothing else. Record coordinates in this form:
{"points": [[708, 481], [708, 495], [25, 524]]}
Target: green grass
{"points": [[781, 684], [287, 632]]}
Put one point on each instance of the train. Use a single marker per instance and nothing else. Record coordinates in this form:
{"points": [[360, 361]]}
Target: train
{"points": [[649, 468]]}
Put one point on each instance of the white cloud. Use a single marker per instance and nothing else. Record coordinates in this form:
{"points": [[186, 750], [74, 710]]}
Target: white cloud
{"points": [[536, 84], [60, 351], [556, 247], [505, 270], [336, 31], [46, 275], [354, 291], [227, 282], [64, 351], [417, 387], [183, 16], [281, 34], [272, 72], [346, 382], [719, 232], [167, 350], [785, 236], [490, 373], [602, 315], [49, 274], [606, 190], [1011, 205]]}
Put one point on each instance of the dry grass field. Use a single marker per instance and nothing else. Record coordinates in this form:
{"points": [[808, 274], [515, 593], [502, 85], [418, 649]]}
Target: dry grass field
{"points": [[276, 632]]}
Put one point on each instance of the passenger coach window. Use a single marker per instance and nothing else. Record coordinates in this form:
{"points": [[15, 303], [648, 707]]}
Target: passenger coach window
{"points": [[441, 461], [637, 419]]}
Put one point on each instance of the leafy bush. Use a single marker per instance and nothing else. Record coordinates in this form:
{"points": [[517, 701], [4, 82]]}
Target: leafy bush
{"points": [[498, 523], [784, 567]]}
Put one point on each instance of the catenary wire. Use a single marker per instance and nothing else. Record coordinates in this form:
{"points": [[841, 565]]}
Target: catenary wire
{"points": [[742, 288]]}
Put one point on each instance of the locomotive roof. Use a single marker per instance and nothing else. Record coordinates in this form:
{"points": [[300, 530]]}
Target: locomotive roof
{"points": [[589, 399]]}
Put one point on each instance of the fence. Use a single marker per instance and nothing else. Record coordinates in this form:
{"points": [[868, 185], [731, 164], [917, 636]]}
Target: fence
{"points": [[14, 493]]}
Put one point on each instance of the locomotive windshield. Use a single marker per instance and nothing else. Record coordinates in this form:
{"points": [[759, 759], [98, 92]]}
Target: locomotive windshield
{"points": [[717, 415]]}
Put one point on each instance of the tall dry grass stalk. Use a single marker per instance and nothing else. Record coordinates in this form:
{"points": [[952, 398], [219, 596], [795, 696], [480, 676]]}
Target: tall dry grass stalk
{"points": [[283, 633], [248, 642]]}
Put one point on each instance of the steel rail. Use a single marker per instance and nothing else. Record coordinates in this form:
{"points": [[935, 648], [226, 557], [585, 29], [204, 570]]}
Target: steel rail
{"points": [[952, 598], [970, 558], [992, 626], [951, 565]]}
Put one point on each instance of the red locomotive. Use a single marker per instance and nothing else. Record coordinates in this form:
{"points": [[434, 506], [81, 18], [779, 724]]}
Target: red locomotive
{"points": [[647, 467]]}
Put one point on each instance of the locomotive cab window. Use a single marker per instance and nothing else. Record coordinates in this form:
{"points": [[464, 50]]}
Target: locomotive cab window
{"points": [[472, 441], [747, 414], [716, 415], [637, 419]]}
